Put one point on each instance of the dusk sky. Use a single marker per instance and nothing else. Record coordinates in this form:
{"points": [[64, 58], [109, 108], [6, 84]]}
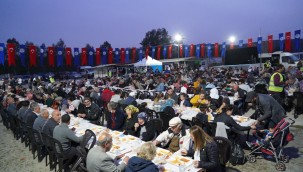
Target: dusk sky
{"points": [[124, 23]]}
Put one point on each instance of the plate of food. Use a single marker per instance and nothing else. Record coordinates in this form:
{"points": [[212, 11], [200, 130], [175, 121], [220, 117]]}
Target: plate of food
{"points": [[179, 160], [241, 118], [163, 152]]}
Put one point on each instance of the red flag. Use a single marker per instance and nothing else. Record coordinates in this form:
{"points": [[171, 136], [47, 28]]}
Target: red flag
{"points": [[216, 50], [170, 50], [191, 50], [133, 55], [249, 42], [158, 52], [270, 43], [32, 55], [68, 56], [202, 50], [83, 57], [181, 50], [122, 55], [288, 41], [51, 56], [146, 52], [98, 56], [110, 56], [11, 54]]}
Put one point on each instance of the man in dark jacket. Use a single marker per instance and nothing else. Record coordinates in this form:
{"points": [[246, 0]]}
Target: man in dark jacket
{"points": [[32, 114], [171, 94], [51, 123], [115, 116], [90, 111]]}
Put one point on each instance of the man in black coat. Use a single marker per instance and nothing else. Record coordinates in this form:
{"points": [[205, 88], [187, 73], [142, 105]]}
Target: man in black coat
{"points": [[89, 111], [32, 114], [51, 123]]}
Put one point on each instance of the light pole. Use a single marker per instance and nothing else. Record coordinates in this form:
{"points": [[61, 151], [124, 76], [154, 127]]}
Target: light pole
{"points": [[178, 38]]}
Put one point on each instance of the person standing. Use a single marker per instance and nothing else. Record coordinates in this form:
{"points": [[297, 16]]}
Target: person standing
{"points": [[277, 83]]}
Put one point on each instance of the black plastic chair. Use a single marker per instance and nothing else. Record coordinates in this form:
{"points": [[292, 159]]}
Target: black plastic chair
{"points": [[50, 152], [14, 126], [34, 147], [24, 134], [4, 117], [158, 124], [60, 160], [224, 149], [39, 144], [165, 118]]}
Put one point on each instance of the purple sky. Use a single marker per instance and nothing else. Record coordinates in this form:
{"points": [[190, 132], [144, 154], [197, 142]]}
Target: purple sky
{"points": [[124, 22]]}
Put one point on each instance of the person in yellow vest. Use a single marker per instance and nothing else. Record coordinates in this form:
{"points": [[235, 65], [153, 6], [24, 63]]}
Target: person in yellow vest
{"points": [[51, 79], [277, 83], [267, 65]]}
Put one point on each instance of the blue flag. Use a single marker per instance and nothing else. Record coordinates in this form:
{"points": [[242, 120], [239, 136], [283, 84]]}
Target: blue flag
{"points": [[117, 55], [164, 51], [240, 43], [140, 53], [223, 49], [90, 57], [281, 38], [104, 56], [22, 55], [41, 55], [2, 46], [297, 40], [198, 50], [127, 52], [186, 51], [59, 56], [76, 57], [259, 47], [208, 50], [153, 51]]}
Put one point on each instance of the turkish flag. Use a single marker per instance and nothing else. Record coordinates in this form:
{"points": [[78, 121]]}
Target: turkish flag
{"points": [[146, 52], [83, 57], [11, 54], [51, 56], [270, 43], [110, 56], [98, 56], [170, 50], [32, 55], [68, 56], [122, 55], [202, 50], [133, 54], [216, 50], [158, 52], [181, 50], [249, 42], [191, 50], [288, 41]]}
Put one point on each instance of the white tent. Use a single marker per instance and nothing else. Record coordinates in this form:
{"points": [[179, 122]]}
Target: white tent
{"points": [[154, 64]]}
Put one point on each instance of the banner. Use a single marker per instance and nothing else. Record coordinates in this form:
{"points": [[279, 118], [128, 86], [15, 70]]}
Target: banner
{"points": [[110, 56], [51, 56], [59, 57], [270, 43], [288, 41], [259, 47], [202, 50], [140, 53], [122, 55], [98, 56], [153, 51], [32, 55], [180, 50], [223, 50], [41, 55], [186, 51], [134, 52], [68, 56], [2, 61], [164, 51], [191, 50], [11, 54], [158, 52], [104, 56], [198, 50], [240, 43], [170, 51], [297, 40], [216, 50], [146, 52], [22, 49], [83, 57], [90, 57], [208, 50], [281, 38], [249, 42], [127, 52], [117, 56], [76, 57]]}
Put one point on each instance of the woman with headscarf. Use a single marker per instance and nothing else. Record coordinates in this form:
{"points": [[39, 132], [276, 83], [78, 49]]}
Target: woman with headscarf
{"points": [[144, 129], [131, 119]]}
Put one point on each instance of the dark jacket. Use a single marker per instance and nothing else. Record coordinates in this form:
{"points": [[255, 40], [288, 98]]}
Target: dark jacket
{"points": [[30, 118], [129, 124], [173, 96], [209, 157], [186, 103], [92, 112], [119, 120], [230, 122], [136, 164], [149, 134], [48, 127], [130, 101]]}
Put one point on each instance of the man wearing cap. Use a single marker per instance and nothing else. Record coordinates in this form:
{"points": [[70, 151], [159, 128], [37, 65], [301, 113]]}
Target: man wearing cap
{"points": [[175, 137], [98, 160], [115, 116], [144, 129]]}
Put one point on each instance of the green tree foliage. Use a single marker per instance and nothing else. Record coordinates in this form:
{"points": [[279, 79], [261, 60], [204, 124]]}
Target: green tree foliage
{"points": [[156, 37], [106, 45]]}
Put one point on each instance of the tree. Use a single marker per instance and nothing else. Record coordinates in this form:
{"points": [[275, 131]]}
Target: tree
{"points": [[106, 45], [60, 43], [156, 37]]}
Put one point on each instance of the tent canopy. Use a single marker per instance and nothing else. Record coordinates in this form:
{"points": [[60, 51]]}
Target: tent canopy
{"points": [[148, 62]]}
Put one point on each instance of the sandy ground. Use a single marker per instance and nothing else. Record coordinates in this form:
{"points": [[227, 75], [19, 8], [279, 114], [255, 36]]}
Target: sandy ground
{"points": [[14, 156]]}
